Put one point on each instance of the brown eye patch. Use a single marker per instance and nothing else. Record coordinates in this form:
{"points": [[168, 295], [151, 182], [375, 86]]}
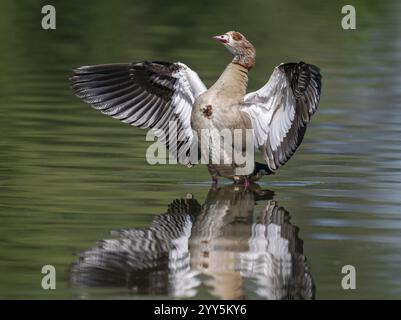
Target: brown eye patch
{"points": [[236, 36]]}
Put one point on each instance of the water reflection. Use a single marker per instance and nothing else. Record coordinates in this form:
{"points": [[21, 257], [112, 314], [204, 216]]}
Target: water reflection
{"points": [[219, 245]]}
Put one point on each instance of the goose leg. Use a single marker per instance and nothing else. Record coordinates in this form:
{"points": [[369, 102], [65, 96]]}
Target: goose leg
{"points": [[214, 180]]}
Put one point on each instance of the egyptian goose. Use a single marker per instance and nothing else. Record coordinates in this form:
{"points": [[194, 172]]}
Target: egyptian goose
{"points": [[154, 94]]}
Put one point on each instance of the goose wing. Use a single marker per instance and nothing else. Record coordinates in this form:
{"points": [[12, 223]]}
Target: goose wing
{"points": [[281, 110], [145, 95]]}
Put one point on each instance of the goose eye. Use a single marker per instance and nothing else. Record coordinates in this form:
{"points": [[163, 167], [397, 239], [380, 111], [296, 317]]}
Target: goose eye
{"points": [[236, 36]]}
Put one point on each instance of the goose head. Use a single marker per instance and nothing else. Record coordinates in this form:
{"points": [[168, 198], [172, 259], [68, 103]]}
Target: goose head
{"points": [[242, 50]]}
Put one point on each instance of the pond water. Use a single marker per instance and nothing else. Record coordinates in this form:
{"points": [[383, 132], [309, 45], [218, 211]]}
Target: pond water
{"points": [[77, 193]]}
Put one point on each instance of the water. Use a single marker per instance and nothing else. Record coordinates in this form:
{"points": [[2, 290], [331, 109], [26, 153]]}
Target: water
{"points": [[69, 176]]}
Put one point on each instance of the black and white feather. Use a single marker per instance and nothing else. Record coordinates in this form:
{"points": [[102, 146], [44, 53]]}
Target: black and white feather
{"points": [[281, 110], [152, 260], [219, 239], [145, 95]]}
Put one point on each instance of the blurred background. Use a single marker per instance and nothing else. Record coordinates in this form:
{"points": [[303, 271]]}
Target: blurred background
{"points": [[69, 175]]}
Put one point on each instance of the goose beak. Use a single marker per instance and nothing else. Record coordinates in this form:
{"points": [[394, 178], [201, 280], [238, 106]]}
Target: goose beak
{"points": [[223, 38]]}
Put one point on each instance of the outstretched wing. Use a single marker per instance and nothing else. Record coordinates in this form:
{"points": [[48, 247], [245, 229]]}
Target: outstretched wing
{"points": [[145, 95], [281, 110]]}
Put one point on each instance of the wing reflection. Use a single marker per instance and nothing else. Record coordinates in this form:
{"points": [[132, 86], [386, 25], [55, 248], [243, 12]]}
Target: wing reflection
{"points": [[218, 244]]}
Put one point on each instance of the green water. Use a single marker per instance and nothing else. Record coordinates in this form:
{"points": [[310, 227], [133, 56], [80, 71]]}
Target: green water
{"points": [[69, 175]]}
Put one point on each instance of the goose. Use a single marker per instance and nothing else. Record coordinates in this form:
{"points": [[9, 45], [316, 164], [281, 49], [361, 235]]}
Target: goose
{"points": [[156, 94]]}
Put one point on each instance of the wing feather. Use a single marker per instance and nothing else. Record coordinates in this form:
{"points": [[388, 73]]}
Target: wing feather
{"points": [[145, 94], [281, 110]]}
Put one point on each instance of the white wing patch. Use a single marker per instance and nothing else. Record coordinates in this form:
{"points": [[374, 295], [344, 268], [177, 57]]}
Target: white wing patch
{"points": [[281, 109], [187, 88]]}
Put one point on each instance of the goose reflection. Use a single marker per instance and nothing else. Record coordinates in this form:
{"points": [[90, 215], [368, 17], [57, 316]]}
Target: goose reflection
{"points": [[218, 244]]}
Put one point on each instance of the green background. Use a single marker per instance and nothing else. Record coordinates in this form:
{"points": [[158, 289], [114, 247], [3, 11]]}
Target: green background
{"points": [[69, 175]]}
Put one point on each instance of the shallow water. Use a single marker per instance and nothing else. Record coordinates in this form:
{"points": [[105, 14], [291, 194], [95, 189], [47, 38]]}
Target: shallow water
{"points": [[69, 175]]}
